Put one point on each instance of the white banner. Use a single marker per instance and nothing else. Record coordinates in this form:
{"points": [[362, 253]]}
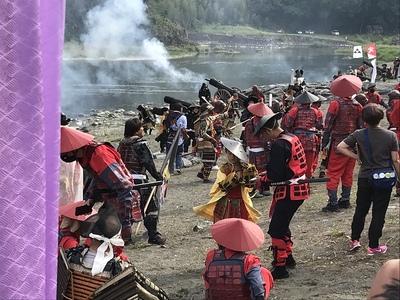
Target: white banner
{"points": [[357, 52], [373, 75]]}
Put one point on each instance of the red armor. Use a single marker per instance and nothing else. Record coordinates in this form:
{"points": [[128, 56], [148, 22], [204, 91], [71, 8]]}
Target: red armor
{"points": [[346, 119], [226, 278], [259, 157], [304, 118], [297, 164], [373, 98], [113, 183], [300, 121]]}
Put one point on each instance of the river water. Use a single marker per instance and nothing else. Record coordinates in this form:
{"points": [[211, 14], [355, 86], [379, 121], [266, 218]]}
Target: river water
{"points": [[126, 83]]}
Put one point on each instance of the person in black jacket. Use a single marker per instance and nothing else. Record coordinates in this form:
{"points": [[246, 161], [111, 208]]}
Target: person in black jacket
{"points": [[138, 159]]}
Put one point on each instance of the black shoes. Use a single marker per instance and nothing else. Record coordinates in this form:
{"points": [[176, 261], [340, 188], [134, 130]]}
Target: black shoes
{"points": [[331, 208], [200, 175], [157, 240], [344, 204], [290, 262], [280, 273]]}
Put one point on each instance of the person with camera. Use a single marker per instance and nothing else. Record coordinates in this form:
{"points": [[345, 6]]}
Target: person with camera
{"points": [[378, 155]]}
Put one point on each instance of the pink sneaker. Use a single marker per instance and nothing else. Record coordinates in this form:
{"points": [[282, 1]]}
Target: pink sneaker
{"points": [[379, 249], [354, 245]]}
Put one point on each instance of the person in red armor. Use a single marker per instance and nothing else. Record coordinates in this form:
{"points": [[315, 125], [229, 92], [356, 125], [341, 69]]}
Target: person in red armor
{"points": [[287, 161], [245, 116], [397, 86], [137, 157], [361, 70], [342, 118], [258, 147], [255, 92], [111, 181], [251, 281], [373, 96], [230, 191], [393, 117], [304, 121], [320, 114], [288, 103]]}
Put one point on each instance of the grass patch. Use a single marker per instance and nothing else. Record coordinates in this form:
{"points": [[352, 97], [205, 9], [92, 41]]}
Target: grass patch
{"points": [[182, 51], [219, 29]]}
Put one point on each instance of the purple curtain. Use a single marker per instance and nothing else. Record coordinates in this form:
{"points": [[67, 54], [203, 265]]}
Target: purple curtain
{"points": [[31, 35]]}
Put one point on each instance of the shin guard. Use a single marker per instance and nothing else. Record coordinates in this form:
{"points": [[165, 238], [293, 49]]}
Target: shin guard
{"points": [[279, 252]]}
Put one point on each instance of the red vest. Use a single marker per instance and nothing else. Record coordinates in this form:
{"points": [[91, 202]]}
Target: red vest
{"points": [[346, 119], [251, 140], [297, 164], [306, 118], [226, 278]]}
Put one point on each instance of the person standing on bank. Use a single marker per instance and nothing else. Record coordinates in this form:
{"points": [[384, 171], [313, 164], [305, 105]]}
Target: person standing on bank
{"points": [[112, 181], [377, 149], [342, 118], [287, 161], [137, 157]]}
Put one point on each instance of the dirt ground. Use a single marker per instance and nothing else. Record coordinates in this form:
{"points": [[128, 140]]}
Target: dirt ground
{"points": [[325, 268]]}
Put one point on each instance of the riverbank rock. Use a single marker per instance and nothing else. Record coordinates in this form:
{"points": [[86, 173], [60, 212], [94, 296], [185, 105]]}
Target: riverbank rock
{"points": [[108, 125]]}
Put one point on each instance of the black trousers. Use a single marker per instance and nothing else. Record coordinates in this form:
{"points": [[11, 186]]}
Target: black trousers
{"points": [[366, 195], [283, 214]]}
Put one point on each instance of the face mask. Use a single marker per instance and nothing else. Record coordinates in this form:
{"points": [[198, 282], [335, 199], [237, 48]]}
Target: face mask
{"points": [[67, 158]]}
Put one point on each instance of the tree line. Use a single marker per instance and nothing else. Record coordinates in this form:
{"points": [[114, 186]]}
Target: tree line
{"points": [[320, 16]]}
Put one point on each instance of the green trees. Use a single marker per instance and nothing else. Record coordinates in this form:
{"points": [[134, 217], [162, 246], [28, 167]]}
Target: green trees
{"points": [[321, 16]]}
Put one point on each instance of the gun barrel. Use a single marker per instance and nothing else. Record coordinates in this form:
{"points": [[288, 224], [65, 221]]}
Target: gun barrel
{"points": [[219, 85], [157, 111], [170, 100]]}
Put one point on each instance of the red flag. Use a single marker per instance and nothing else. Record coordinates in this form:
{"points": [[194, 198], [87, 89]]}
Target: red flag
{"points": [[371, 51]]}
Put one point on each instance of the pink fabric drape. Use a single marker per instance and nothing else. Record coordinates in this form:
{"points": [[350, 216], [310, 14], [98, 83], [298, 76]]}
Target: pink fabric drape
{"points": [[31, 35]]}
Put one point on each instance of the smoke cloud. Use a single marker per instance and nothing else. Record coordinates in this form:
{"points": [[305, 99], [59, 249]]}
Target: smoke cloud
{"points": [[117, 53]]}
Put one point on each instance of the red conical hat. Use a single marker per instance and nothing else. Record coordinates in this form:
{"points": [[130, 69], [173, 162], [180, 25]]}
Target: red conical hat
{"points": [[346, 86], [72, 139], [259, 109], [238, 234], [68, 211]]}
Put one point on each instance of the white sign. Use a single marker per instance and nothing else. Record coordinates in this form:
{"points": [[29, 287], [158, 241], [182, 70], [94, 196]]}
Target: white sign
{"points": [[357, 52]]}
